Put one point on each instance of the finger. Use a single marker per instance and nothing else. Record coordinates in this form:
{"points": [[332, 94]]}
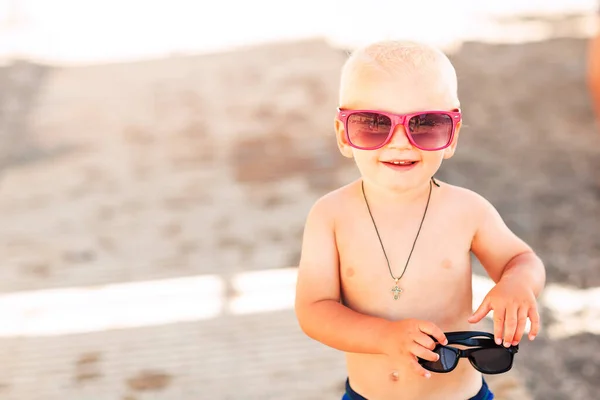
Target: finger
{"points": [[534, 317], [433, 330], [510, 324], [424, 353], [498, 324], [419, 370], [481, 312], [426, 341], [521, 323]]}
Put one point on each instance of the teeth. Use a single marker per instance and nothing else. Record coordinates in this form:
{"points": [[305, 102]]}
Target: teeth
{"points": [[400, 162]]}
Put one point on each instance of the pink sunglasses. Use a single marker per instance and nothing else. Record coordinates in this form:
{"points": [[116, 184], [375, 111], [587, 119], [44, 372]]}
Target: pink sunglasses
{"points": [[426, 130]]}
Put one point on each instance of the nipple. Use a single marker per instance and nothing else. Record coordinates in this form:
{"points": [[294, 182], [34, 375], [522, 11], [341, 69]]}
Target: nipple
{"points": [[394, 375]]}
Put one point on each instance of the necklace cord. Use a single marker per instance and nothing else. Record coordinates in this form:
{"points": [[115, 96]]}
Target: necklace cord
{"points": [[416, 237]]}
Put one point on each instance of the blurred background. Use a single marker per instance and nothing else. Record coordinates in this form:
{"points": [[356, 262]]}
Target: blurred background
{"points": [[158, 159]]}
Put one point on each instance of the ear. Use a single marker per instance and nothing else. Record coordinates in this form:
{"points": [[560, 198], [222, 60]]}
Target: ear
{"points": [[342, 140], [449, 151]]}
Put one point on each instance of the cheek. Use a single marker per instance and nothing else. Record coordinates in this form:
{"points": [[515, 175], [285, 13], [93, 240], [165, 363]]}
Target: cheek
{"points": [[365, 158], [433, 159], [366, 161]]}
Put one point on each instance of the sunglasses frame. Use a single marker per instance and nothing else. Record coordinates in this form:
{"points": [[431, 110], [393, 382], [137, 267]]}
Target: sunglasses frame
{"points": [[399, 119], [467, 338]]}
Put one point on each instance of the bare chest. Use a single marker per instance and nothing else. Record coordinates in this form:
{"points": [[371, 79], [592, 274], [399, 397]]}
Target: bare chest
{"points": [[388, 277]]}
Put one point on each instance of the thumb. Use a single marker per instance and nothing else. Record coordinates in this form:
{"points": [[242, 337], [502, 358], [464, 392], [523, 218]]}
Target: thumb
{"points": [[481, 312]]}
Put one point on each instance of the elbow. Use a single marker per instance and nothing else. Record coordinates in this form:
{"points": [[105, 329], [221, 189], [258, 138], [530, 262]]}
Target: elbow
{"points": [[527, 257], [307, 314], [302, 311]]}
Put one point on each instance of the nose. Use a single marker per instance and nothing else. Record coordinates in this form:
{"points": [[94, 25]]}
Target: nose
{"points": [[399, 139]]}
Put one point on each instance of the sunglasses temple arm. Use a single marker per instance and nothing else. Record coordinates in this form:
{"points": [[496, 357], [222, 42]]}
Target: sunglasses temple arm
{"points": [[465, 335]]}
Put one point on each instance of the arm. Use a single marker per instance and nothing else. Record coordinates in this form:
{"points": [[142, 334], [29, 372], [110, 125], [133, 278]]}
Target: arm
{"points": [[518, 272], [318, 308], [503, 254]]}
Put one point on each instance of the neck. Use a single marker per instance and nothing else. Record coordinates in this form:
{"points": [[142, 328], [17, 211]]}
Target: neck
{"points": [[405, 196]]}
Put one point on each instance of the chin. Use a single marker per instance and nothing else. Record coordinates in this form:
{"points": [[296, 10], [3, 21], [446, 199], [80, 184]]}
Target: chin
{"points": [[398, 185]]}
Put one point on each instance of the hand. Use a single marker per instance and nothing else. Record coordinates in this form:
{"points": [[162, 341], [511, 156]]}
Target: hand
{"points": [[512, 302], [411, 338]]}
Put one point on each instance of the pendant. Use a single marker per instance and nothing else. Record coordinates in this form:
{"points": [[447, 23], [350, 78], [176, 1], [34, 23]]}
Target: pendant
{"points": [[396, 290]]}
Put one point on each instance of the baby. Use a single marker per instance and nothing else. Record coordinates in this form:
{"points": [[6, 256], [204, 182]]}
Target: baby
{"points": [[385, 267]]}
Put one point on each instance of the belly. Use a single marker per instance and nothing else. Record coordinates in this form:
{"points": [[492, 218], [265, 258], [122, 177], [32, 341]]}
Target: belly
{"points": [[437, 291], [378, 377]]}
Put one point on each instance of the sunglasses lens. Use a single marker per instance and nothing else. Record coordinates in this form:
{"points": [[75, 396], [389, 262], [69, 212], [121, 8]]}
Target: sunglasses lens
{"points": [[492, 360], [447, 361], [367, 130], [431, 130]]}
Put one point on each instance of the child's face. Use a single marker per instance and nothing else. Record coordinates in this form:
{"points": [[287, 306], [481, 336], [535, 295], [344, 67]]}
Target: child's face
{"points": [[412, 93]]}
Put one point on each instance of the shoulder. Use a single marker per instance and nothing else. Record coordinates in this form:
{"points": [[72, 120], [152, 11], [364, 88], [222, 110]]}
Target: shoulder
{"points": [[333, 204], [463, 199]]}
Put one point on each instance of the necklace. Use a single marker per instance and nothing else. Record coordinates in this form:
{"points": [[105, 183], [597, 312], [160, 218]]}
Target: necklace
{"points": [[396, 290]]}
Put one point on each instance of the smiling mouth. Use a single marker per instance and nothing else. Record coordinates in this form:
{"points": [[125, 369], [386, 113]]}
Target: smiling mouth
{"points": [[400, 162]]}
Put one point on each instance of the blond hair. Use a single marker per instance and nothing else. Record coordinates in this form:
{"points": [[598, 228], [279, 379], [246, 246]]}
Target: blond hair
{"points": [[394, 57]]}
